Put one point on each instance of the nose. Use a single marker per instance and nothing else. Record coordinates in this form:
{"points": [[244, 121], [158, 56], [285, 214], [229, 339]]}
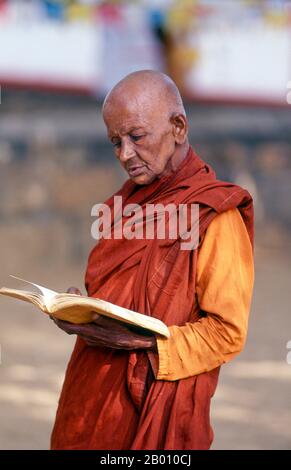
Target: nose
{"points": [[126, 151]]}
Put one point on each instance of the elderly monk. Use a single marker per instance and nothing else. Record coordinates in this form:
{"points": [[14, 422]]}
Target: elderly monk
{"points": [[128, 390]]}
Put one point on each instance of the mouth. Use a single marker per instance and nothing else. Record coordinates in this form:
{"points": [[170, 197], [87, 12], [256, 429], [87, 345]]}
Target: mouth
{"points": [[135, 170]]}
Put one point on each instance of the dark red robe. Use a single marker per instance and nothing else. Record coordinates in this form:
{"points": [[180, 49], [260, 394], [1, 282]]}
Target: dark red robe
{"points": [[110, 399]]}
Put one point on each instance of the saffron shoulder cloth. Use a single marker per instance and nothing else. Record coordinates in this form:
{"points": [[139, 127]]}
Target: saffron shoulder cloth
{"points": [[110, 399]]}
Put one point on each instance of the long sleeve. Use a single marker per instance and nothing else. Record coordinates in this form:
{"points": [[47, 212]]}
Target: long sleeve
{"points": [[224, 284]]}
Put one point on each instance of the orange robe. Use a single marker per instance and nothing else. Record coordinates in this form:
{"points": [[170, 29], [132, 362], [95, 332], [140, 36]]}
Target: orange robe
{"points": [[224, 285], [111, 398]]}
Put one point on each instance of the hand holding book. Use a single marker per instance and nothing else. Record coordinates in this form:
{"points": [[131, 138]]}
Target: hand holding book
{"points": [[71, 309], [105, 332]]}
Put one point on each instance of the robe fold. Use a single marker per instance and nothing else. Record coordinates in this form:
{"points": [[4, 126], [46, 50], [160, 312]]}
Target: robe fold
{"points": [[110, 398]]}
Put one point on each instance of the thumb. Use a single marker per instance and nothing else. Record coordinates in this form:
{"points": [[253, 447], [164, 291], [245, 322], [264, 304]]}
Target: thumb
{"points": [[74, 290], [95, 316]]}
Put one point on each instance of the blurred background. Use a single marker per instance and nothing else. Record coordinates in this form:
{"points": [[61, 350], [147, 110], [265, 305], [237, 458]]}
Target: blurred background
{"points": [[232, 62]]}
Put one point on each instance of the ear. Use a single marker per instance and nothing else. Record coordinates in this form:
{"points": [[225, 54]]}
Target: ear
{"points": [[180, 127]]}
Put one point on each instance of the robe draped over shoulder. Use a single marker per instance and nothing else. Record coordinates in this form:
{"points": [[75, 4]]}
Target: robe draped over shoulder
{"points": [[111, 399]]}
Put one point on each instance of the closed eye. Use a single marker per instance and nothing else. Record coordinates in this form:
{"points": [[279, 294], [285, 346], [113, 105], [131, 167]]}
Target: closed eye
{"points": [[135, 138]]}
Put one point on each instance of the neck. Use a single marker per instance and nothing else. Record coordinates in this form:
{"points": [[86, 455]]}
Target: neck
{"points": [[180, 155], [177, 158]]}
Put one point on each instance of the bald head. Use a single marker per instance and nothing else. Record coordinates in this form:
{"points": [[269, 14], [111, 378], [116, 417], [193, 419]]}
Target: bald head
{"points": [[147, 125], [149, 88]]}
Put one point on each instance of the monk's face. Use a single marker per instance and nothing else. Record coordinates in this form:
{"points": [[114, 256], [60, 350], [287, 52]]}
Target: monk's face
{"points": [[143, 138]]}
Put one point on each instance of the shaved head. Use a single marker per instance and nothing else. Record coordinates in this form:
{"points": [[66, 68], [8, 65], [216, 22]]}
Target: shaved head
{"points": [[149, 87], [147, 125]]}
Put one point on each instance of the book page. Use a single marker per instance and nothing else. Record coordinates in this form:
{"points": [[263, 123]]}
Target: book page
{"points": [[79, 309], [32, 297], [48, 294], [81, 305]]}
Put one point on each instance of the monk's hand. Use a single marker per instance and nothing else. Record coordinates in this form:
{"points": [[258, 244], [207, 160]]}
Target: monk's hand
{"points": [[74, 290], [108, 333]]}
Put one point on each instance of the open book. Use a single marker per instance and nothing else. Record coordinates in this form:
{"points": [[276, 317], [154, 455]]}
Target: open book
{"points": [[78, 309]]}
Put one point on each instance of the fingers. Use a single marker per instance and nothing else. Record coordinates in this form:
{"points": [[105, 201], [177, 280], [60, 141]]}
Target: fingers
{"points": [[55, 320], [69, 328], [74, 290], [89, 341], [72, 329], [95, 317], [108, 323]]}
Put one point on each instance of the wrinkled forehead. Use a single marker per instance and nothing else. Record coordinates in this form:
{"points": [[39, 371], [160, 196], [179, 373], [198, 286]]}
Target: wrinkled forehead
{"points": [[124, 111]]}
